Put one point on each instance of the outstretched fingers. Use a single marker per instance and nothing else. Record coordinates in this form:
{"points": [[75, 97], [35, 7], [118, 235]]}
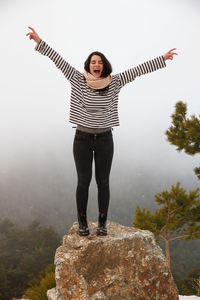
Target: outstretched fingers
{"points": [[172, 53], [30, 33], [33, 35], [31, 29], [172, 49]]}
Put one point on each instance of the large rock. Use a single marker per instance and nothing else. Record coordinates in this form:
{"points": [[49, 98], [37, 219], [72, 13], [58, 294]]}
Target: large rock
{"points": [[125, 264], [52, 294]]}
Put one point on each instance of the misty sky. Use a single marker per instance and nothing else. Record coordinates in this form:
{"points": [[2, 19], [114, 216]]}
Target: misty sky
{"points": [[35, 96]]}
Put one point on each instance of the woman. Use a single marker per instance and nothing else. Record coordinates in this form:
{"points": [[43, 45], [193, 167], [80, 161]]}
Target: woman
{"points": [[94, 108]]}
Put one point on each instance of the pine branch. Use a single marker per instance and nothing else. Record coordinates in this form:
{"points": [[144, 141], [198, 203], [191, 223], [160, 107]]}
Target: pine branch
{"points": [[184, 235]]}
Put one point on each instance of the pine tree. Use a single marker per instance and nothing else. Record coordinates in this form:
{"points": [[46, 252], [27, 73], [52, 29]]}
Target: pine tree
{"points": [[177, 218], [185, 132]]}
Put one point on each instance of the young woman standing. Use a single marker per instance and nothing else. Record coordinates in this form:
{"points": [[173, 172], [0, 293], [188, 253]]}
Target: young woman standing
{"points": [[94, 109]]}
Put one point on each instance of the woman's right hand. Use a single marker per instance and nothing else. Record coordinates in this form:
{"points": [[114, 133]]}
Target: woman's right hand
{"points": [[33, 35]]}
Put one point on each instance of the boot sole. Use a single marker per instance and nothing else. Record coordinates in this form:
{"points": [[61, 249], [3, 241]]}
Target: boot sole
{"points": [[101, 233], [83, 233]]}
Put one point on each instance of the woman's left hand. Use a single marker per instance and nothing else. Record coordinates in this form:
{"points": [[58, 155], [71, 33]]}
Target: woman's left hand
{"points": [[170, 54]]}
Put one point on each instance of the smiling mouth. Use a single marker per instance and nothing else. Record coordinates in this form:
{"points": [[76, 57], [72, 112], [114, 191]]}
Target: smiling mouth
{"points": [[97, 71]]}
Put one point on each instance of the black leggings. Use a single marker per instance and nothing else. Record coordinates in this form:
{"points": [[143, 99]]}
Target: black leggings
{"points": [[85, 147]]}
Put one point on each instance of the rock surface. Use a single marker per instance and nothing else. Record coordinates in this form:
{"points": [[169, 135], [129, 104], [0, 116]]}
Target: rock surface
{"points": [[51, 294], [125, 264]]}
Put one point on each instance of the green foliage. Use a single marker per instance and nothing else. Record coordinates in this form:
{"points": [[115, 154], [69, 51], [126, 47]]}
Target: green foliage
{"points": [[185, 132], [177, 218], [38, 288], [143, 219], [197, 285], [197, 172], [190, 284], [24, 252]]}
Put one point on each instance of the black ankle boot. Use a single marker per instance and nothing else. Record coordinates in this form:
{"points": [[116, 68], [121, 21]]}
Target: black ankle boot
{"points": [[102, 230], [83, 225]]}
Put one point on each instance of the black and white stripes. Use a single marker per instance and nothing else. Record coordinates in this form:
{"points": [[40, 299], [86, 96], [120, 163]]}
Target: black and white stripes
{"points": [[93, 108], [142, 69]]}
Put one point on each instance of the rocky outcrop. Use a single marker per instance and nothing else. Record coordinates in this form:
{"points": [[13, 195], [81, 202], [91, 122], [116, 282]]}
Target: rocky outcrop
{"points": [[125, 264], [51, 294]]}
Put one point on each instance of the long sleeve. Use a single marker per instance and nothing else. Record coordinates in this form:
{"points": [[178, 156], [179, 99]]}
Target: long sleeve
{"points": [[68, 71], [147, 67]]}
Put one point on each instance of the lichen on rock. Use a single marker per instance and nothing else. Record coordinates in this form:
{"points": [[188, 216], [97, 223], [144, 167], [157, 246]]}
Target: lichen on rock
{"points": [[125, 264]]}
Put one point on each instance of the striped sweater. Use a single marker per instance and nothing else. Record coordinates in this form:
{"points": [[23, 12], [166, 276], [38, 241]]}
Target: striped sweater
{"points": [[92, 108]]}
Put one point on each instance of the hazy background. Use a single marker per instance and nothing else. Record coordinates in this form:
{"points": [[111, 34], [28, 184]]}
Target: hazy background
{"points": [[37, 173]]}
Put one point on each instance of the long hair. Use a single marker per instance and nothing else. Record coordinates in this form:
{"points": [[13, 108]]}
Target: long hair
{"points": [[107, 68]]}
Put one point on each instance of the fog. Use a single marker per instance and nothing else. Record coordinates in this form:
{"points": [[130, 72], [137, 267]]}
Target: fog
{"points": [[36, 138]]}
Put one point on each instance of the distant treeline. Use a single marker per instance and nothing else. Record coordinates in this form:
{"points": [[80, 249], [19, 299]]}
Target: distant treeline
{"points": [[24, 252]]}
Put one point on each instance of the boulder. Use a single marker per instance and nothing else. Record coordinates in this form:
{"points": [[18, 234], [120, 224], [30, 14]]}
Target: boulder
{"points": [[51, 294], [125, 264]]}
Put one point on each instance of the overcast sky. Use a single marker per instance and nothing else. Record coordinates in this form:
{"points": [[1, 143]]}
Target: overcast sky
{"points": [[35, 96]]}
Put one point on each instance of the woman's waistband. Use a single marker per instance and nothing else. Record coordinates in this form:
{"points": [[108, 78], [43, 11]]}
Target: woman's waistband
{"points": [[92, 130], [83, 133]]}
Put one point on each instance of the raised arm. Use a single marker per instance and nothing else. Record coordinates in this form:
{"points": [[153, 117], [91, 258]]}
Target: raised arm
{"points": [[45, 49], [147, 67]]}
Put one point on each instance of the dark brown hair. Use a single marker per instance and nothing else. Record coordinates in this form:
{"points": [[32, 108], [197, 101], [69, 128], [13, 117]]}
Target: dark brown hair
{"points": [[107, 68]]}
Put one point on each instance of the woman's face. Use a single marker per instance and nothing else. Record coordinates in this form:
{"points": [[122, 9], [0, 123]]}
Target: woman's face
{"points": [[96, 66]]}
